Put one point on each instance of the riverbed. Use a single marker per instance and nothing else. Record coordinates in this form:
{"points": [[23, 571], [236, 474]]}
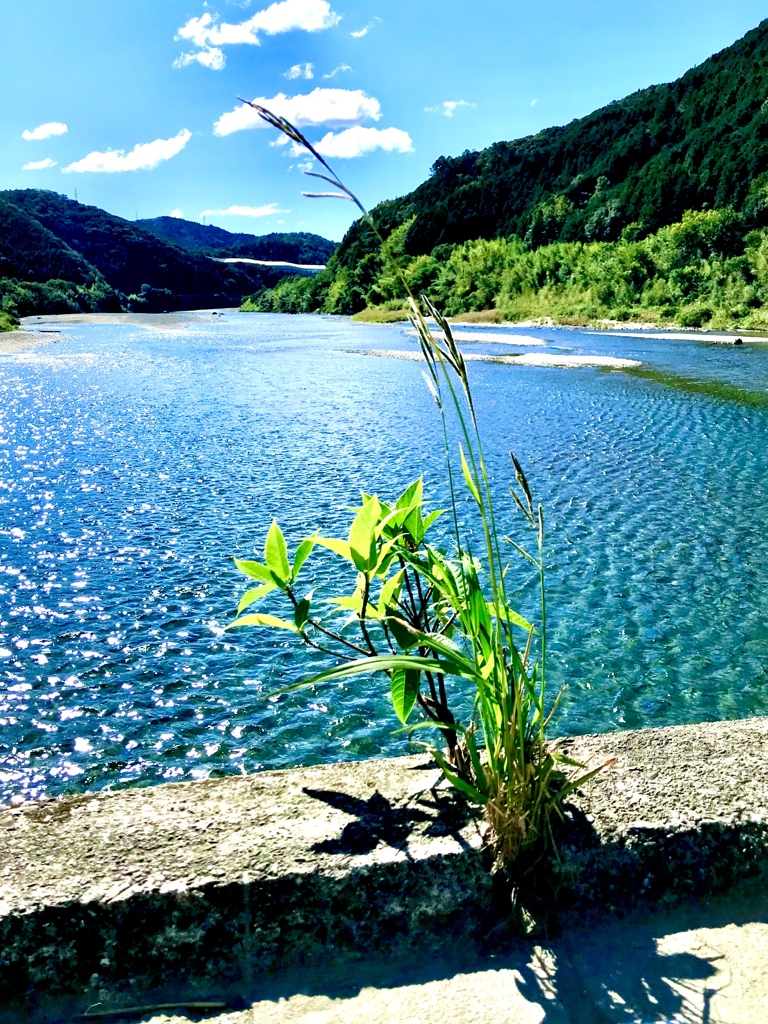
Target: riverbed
{"points": [[138, 457]]}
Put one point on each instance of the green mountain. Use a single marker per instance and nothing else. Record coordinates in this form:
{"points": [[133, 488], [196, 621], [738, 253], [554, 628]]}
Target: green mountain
{"points": [[57, 255], [518, 225], [30, 252], [696, 143], [293, 246]]}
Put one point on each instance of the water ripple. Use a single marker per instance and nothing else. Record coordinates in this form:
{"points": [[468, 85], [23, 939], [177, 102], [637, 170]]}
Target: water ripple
{"points": [[134, 464]]}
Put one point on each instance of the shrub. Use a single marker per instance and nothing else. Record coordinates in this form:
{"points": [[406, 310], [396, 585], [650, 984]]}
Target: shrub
{"points": [[431, 617]]}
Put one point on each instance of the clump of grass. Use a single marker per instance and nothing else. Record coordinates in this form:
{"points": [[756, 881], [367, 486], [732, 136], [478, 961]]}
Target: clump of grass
{"points": [[8, 322], [377, 315], [437, 621]]}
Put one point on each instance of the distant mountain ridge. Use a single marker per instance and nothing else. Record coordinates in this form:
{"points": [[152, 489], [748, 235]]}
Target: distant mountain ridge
{"points": [[290, 246], [58, 255]]}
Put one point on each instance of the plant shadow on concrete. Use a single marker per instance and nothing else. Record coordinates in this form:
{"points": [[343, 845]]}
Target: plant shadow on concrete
{"points": [[377, 820], [439, 622], [646, 967]]}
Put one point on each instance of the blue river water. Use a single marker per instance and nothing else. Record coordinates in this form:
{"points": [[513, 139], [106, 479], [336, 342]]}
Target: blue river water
{"points": [[135, 461]]}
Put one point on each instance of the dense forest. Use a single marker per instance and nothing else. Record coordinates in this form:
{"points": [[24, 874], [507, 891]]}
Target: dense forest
{"points": [[291, 246], [59, 256], [653, 206]]}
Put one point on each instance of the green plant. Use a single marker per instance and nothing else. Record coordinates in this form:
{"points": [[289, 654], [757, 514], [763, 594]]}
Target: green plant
{"points": [[431, 618], [8, 321]]}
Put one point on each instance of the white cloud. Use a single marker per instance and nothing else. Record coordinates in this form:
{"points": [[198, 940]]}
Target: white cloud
{"points": [[306, 166], [39, 165], [176, 213], [358, 141], [534, 102], [45, 131], [338, 70], [245, 211], [336, 108], [208, 34], [211, 57], [143, 157], [365, 29], [300, 71], [449, 107]]}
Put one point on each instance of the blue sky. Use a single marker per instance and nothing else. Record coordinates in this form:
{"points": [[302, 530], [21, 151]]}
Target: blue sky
{"points": [[148, 91]]}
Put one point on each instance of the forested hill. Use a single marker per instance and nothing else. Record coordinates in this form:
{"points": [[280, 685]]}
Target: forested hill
{"points": [[57, 255], [698, 142], [291, 246], [653, 208]]}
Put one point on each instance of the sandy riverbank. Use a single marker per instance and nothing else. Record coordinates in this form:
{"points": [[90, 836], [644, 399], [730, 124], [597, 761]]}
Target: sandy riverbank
{"points": [[546, 359], [154, 321], [716, 339], [12, 342]]}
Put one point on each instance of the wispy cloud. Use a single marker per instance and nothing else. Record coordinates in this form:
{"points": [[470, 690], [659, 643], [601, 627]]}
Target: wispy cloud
{"points": [[534, 102], [449, 107], [208, 34], [143, 157], [212, 58], [358, 141], [245, 211], [39, 165], [300, 71], [365, 29], [338, 71], [45, 131], [336, 108], [176, 213]]}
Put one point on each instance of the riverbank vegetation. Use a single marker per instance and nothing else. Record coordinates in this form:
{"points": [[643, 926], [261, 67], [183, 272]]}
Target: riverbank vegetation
{"points": [[652, 208], [8, 322], [708, 269]]}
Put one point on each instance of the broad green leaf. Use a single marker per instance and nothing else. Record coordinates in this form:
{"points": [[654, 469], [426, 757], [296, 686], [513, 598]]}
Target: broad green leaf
{"points": [[276, 553], [428, 520], [351, 603], [441, 645], [405, 688], [258, 619], [362, 536], [255, 570], [301, 611], [412, 495], [386, 554], [512, 617], [364, 666], [459, 783], [468, 479], [341, 547], [250, 596], [302, 554], [403, 634], [390, 591]]}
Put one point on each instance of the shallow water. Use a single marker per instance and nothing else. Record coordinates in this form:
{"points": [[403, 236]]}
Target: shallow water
{"points": [[135, 462]]}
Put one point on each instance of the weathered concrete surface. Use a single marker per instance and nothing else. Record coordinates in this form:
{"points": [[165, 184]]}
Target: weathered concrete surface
{"points": [[682, 811], [702, 962], [219, 886], [233, 879]]}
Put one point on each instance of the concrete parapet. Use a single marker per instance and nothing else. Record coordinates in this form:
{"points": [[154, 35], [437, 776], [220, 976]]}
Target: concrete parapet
{"points": [[225, 882]]}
